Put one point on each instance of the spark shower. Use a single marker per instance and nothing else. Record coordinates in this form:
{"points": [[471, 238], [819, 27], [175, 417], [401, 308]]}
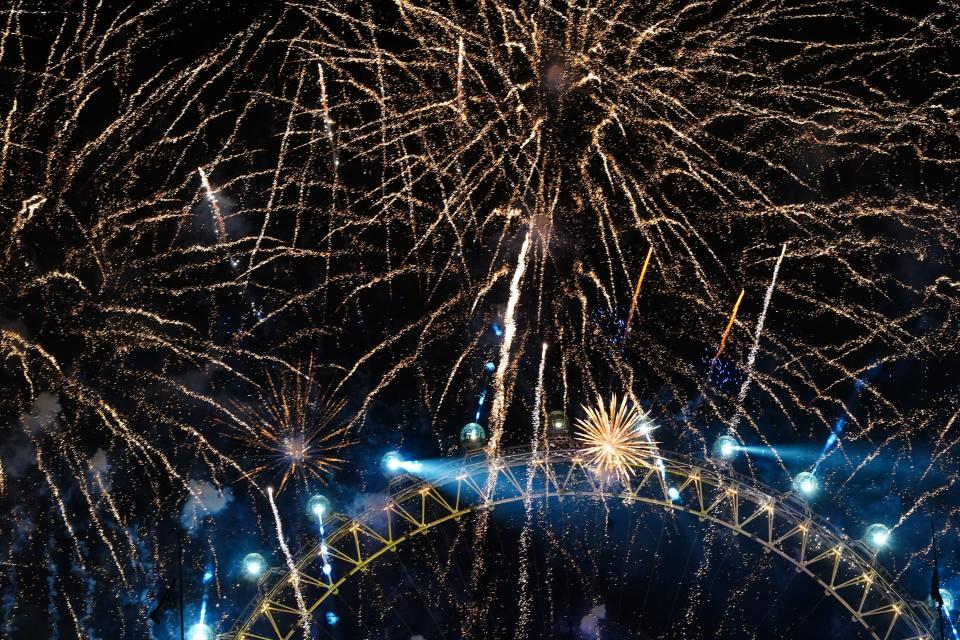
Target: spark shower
{"points": [[245, 251]]}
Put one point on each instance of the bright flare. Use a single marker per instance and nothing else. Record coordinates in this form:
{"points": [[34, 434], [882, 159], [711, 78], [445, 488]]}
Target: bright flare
{"points": [[877, 536], [806, 484], [200, 631], [726, 447], [613, 437]]}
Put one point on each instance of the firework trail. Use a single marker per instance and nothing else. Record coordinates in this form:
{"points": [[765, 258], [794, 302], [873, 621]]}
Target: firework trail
{"points": [[217, 215], [636, 291], [327, 120], [536, 415], [291, 565], [751, 359], [726, 331], [73, 616], [525, 596], [498, 407], [53, 575], [500, 385]]}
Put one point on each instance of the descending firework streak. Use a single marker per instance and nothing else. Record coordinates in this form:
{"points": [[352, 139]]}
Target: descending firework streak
{"points": [[636, 292]]}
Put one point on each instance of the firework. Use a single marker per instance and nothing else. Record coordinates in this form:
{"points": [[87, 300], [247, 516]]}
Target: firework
{"points": [[636, 291], [294, 573], [582, 134], [615, 438], [379, 183], [288, 430], [726, 331]]}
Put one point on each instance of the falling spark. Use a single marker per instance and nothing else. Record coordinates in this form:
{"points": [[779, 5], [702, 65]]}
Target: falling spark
{"points": [[6, 137], [526, 604], [498, 409], [751, 359], [212, 199], [636, 291], [327, 120], [73, 616], [291, 565], [726, 332], [460, 103]]}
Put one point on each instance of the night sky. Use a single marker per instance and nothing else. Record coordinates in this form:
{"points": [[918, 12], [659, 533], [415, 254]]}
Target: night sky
{"points": [[249, 249]]}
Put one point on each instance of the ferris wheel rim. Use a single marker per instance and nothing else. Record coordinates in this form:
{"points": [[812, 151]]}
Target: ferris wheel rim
{"points": [[916, 615]]}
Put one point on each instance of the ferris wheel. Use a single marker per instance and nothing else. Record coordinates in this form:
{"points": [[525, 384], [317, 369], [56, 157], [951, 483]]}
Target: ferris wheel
{"points": [[461, 495]]}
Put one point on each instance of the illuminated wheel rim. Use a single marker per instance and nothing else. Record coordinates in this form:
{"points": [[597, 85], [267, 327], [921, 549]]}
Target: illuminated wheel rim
{"points": [[779, 523]]}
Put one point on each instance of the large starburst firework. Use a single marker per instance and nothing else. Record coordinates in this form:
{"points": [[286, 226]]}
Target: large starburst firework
{"points": [[616, 437]]}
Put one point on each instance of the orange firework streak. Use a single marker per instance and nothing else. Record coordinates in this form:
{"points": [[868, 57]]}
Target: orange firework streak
{"points": [[636, 292], [726, 332]]}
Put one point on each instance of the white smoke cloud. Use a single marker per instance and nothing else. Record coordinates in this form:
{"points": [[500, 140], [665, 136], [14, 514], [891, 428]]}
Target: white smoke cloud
{"points": [[368, 502], [590, 623], [17, 453], [53, 574], [205, 500], [417, 637], [17, 447], [43, 413], [100, 468], [363, 502], [99, 462]]}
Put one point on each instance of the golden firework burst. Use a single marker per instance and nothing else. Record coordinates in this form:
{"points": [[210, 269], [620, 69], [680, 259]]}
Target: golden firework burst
{"points": [[289, 429], [616, 437]]}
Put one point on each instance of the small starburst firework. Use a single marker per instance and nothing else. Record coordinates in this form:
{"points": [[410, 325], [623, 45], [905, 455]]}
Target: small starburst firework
{"points": [[289, 429], [616, 438]]}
